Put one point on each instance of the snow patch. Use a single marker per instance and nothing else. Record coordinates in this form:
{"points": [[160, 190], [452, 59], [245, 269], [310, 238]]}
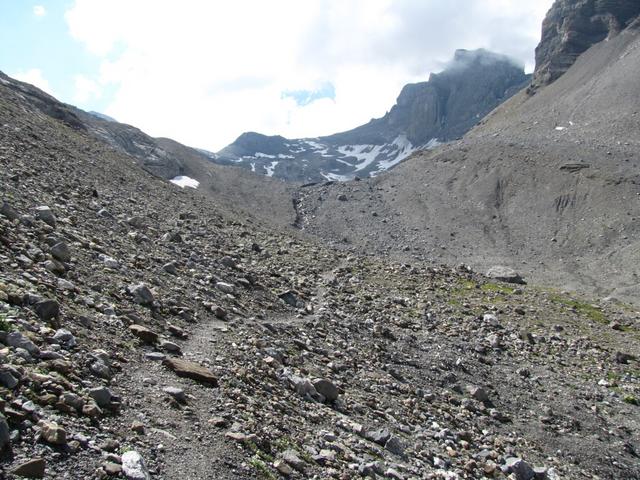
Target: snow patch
{"points": [[263, 155], [253, 167], [271, 168], [315, 145], [334, 177], [364, 154], [183, 181]]}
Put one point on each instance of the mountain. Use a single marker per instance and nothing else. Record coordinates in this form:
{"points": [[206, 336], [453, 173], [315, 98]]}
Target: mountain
{"points": [[425, 115], [548, 182]]}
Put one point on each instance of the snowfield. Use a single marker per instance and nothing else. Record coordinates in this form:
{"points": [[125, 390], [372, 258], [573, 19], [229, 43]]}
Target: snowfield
{"points": [[183, 181]]}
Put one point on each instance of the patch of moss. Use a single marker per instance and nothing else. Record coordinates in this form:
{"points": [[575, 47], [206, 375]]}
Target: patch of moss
{"points": [[497, 288], [631, 400], [261, 468], [590, 311]]}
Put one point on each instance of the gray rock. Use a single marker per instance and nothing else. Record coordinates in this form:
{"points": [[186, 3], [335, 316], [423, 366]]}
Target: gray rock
{"points": [[292, 458], [34, 468], [143, 333], [170, 346], [5, 433], [327, 389], [136, 222], [60, 251], [64, 338], [521, 469], [176, 393], [228, 262], [72, 400], [479, 393], [45, 214], [505, 274], [155, 356], [110, 263], [225, 287], [292, 298], [101, 395], [18, 340], [380, 436], [8, 380], [133, 466], [8, 211], [47, 310], [395, 445], [142, 294], [55, 267], [66, 285], [100, 365], [170, 268]]}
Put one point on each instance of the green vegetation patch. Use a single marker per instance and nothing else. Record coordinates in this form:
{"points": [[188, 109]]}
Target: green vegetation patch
{"points": [[497, 288], [585, 309], [261, 468]]}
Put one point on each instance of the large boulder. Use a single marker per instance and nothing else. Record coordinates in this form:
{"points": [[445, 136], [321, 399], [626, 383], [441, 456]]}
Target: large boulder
{"points": [[505, 274]]}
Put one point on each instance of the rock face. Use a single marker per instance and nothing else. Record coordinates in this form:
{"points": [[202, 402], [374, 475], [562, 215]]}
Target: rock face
{"points": [[425, 114], [573, 26]]}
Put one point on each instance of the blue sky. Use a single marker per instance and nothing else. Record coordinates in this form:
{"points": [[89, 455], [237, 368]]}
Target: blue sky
{"points": [[202, 72], [35, 36]]}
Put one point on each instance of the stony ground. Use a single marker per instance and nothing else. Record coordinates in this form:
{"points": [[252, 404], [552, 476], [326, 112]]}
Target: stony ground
{"points": [[146, 332]]}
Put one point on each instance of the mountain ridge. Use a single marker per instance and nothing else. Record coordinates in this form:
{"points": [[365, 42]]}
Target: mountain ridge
{"points": [[425, 115]]}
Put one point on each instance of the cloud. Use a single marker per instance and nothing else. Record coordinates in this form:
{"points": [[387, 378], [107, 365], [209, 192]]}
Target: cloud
{"points": [[39, 11], [204, 72], [85, 89], [34, 77]]}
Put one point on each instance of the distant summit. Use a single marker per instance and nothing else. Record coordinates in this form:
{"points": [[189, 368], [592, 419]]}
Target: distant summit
{"points": [[425, 115]]}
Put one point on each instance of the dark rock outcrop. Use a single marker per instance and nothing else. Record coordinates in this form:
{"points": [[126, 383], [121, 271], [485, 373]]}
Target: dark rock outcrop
{"points": [[573, 26]]}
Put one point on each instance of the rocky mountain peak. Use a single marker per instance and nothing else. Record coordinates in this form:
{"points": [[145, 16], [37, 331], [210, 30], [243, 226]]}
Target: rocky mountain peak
{"points": [[572, 26], [444, 108]]}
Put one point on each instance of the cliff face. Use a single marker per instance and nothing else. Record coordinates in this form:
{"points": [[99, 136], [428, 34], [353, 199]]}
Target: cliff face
{"points": [[573, 26]]}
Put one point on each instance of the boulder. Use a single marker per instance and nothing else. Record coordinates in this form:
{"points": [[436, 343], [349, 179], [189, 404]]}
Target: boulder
{"points": [[143, 333], [194, 371], [133, 466], [34, 468], [505, 274]]}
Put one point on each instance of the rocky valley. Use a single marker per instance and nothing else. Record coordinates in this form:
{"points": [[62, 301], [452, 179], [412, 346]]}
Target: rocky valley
{"points": [[166, 317]]}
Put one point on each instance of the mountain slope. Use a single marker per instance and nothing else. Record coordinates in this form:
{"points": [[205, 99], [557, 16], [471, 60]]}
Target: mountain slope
{"points": [[167, 159], [548, 183], [425, 114]]}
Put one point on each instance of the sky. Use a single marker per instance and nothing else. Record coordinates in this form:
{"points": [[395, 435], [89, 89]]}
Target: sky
{"points": [[204, 71]]}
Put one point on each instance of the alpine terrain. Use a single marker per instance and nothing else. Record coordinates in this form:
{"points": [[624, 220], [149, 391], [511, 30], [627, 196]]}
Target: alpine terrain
{"points": [[425, 115], [470, 314]]}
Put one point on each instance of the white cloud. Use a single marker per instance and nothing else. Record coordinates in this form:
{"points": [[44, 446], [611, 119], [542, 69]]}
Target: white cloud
{"points": [[85, 89], [39, 11], [34, 77], [203, 72]]}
